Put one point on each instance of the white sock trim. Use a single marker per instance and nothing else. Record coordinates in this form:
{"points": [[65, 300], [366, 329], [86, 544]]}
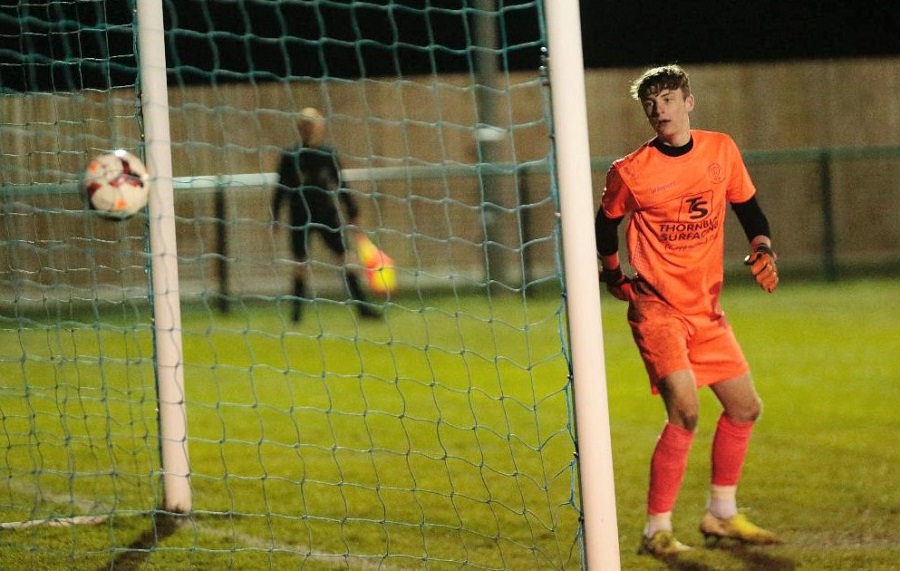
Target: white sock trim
{"points": [[658, 522], [722, 501]]}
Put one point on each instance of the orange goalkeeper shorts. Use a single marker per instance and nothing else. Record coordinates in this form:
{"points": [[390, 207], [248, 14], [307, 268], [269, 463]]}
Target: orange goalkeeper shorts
{"points": [[670, 341]]}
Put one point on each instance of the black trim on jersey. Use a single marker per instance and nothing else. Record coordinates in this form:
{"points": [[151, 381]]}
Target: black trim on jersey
{"points": [[751, 217], [670, 151]]}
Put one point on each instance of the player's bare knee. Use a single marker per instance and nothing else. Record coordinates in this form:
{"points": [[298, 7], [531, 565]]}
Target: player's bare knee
{"points": [[686, 419], [748, 411], [755, 410]]}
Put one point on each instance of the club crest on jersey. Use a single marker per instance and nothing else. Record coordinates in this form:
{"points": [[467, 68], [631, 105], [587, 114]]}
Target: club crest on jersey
{"points": [[716, 173]]}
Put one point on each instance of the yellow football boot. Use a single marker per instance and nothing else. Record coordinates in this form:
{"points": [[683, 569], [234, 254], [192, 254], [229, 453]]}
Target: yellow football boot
{"points": [[662, 545], [737, 527]]}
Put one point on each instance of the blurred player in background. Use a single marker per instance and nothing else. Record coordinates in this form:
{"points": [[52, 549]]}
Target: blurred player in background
{"points": [[309, 180], [675, 189]]}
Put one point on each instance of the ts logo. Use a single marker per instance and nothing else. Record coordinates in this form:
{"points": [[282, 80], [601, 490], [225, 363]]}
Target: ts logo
{"points": [[695, 207]]}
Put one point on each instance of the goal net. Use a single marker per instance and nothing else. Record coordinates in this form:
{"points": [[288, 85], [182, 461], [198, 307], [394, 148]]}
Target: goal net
{"points": [[437, 435]]}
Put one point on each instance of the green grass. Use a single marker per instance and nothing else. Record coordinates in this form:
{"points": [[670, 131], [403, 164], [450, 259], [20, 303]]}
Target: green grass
{"points": [[821, 467], [437, 439]]}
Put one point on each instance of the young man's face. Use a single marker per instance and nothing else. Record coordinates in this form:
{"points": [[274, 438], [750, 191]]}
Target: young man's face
{"points": [[668, 112]]}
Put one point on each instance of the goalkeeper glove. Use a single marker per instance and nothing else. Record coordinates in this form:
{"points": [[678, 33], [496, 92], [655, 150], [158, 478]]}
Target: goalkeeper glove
{"points": [[762, 265], [618, 284]]}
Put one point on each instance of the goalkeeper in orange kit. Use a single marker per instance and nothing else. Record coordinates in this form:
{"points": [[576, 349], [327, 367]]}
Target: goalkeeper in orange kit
{"points": [[675, 189]]}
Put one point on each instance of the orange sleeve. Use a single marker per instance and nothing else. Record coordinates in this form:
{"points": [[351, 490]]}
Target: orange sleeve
{"points": [[615, 199], [740, 187]]}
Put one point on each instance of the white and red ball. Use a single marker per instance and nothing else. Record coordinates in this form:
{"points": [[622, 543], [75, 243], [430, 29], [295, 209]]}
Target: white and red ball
{"points": [[117, 184]]}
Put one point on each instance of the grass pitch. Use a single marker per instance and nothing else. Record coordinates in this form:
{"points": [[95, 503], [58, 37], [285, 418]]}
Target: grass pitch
{"points": [[821, 469], [437, 439]]}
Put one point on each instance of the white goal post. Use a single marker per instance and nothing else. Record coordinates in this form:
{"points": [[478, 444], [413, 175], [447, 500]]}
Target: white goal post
{"points": [[582, 285], [164, 260]]}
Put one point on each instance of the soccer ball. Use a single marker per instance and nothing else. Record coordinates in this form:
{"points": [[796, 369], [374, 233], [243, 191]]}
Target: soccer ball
{"points": [[117, 184]]}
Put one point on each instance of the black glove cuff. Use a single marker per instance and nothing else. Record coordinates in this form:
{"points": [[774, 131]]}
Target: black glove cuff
{"points": [[612, 277]]}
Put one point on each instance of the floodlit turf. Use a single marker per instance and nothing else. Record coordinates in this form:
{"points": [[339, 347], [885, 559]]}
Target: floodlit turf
{"points": [[437, 439]]}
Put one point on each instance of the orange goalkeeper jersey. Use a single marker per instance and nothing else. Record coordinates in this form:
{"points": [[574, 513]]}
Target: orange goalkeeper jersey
{"points": [[677, 207]]}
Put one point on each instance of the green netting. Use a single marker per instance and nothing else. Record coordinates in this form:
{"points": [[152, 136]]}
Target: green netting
{"points": [[437, 437]]}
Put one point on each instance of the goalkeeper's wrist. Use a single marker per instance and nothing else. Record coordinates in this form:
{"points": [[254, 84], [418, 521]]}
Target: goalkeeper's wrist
{"points": [[612, 276], [758, 250], [762, 243]]}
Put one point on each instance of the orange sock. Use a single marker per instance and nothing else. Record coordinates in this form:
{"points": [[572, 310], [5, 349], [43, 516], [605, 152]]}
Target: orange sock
{"points": [[729, 450], [667, 468]]}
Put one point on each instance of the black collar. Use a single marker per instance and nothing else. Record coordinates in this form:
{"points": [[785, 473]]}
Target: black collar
{"points": [[673, 151]]}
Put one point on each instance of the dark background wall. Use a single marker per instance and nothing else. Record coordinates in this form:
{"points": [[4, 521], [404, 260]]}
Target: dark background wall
{"points": [[620, 34]]}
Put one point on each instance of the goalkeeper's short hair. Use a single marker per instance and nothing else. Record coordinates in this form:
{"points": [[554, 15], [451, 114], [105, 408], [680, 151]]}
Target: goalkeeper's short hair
{"points": [[656, 79]]}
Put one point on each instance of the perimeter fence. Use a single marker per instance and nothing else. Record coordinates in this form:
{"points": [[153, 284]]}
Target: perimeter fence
{"points": [[834, 212]]}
